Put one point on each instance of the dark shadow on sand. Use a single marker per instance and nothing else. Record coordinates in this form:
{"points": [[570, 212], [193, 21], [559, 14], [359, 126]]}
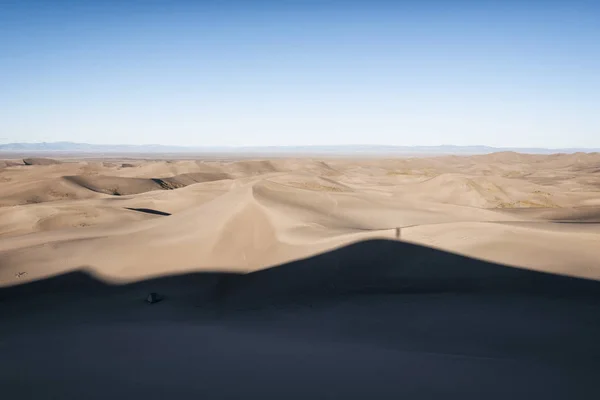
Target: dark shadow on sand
{"points": [[375, 319], [149, 211], [577, 222]]}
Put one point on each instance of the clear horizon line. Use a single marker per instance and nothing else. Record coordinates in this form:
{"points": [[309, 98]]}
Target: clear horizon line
{"points": [[289, 145]]}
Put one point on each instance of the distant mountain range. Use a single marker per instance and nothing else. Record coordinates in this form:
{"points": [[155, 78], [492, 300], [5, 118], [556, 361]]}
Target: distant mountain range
{"points": [[71, 147]]}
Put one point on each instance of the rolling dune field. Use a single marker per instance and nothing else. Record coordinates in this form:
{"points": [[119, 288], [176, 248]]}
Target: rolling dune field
{"points": [[130, 219], [446, 277]]}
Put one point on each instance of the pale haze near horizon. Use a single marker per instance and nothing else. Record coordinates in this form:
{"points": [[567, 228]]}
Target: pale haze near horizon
{"points": [[301, 73]]}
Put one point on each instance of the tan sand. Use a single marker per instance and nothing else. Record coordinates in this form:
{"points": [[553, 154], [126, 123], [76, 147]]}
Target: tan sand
{"points": [[126, 220]]}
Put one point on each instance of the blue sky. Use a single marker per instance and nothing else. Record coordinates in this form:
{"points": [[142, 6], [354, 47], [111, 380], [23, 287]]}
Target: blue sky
{"points": [[301, 72]]}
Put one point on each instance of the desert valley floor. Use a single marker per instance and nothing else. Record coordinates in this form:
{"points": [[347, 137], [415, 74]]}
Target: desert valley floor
{"points": [[124, 220]]}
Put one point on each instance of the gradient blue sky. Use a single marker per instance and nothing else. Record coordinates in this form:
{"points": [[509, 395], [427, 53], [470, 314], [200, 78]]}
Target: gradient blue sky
{"points": [[517, 73]]}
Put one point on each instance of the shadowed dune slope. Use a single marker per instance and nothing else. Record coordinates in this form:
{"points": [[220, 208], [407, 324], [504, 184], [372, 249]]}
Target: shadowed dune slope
{"points": [[9, 163], [113, 185], [43, 191], [40, 161], [122, 186], [376, 319], [385, 266]]}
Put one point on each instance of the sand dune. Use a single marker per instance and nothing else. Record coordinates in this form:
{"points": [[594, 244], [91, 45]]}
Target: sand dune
{"points": [[288, 273], [120, 186], [376, 319], [40, 161], [484, 192], [157, 217]]}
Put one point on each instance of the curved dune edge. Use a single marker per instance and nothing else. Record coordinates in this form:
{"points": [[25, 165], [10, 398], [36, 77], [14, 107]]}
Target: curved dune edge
{"points": [[362, 266]]}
